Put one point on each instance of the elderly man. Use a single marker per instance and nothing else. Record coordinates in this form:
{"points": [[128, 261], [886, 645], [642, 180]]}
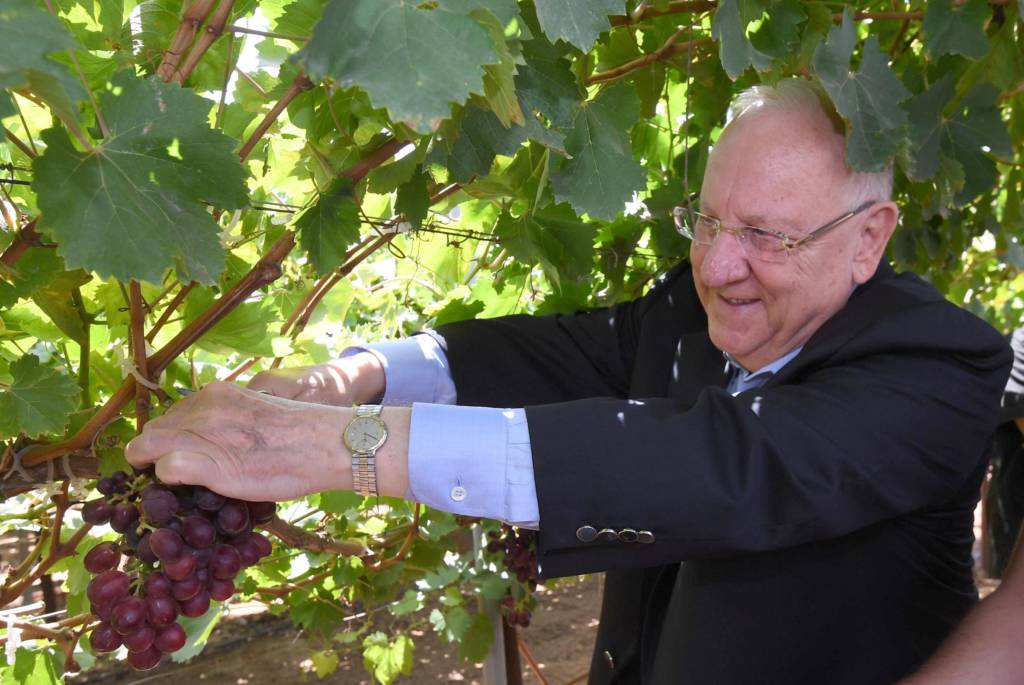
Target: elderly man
{"points": [[797, 424]]}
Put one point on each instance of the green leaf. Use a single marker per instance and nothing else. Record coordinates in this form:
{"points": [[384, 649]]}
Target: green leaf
{"points": [[545, 82], [28, 34], [37, 667], [324, 663], [957, 143], [38, 400], [413, 199], [132, 208], [779, 35], [553, 238], [246, 329], [390, 48], [36, 268], [55, 299], [387, 660], [339, 501], [477, 639], [960, 31], [867, 99], [579, 23], [328, 228], [601, 176], [499, 83], [735, 51]]}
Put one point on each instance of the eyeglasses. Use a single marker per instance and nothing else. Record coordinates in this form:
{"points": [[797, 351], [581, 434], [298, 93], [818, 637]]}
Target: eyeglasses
{"points": [[761, 243]]}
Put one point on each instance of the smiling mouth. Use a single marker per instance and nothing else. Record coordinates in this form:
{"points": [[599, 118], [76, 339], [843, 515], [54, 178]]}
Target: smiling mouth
{"points": [[738, 300]]}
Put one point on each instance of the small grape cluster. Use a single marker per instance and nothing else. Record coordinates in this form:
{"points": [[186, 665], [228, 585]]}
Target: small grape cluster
{"points": [[519, 548], [184, 546]]}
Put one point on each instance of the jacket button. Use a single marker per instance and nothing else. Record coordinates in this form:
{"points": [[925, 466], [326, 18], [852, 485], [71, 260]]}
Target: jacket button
{"points": [[586, 533], [608, 534], [628, 535], [609, 659], [645, 537]]}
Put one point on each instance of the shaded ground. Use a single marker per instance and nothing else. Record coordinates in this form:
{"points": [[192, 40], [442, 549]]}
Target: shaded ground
{"points": [[259, 649]]}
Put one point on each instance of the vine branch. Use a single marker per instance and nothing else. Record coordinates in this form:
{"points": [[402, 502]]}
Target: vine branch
{"points": [[214, 29], [299, 84], [293, 536], [193, 18], [138, 338]]}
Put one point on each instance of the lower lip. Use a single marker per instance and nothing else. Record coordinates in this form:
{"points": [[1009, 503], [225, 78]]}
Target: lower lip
{"points": [[737, 305]]}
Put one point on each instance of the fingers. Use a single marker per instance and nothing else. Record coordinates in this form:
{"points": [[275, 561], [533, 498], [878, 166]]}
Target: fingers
{"points": [[190, 468], [155, 443]]}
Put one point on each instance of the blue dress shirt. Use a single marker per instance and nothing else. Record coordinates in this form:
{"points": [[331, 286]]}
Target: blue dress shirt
{"points": [[476, 461]]}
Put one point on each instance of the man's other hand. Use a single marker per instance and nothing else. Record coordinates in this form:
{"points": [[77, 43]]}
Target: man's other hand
{"points": [[358, 379]]}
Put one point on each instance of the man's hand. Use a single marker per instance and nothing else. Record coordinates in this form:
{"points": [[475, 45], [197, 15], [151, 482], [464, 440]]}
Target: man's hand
{"points": [[358, 379], [245, 444]]}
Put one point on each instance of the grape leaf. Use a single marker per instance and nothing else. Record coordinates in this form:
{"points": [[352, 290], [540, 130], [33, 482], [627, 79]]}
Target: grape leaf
{"points": [[299, 17], [133, 207], [779, 35], [499, 83], [553, 238], [735, 51], [387, 660], [477, 639], [413, 198], [246, 329], [198, 631], [38, 400], [960, 31], [601, 176], [545, 82], [36, 268], [867, 99], [36, 667], [28, 34], [390, 48], [579, 23], [939, 142], [328, 228]]}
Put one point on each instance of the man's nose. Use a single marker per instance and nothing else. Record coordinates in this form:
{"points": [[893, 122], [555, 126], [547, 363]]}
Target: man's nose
{"points": [[724, 262]]}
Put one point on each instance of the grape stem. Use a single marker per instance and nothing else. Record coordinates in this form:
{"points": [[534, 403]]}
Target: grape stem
{"points": [[293, 536], [138, 338], [406, 544]]}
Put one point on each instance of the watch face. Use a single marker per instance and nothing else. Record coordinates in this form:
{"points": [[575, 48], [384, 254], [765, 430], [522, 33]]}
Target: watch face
{"points": [[365, 433]]}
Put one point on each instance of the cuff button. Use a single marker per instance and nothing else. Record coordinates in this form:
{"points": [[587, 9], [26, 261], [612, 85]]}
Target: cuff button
{"points": [[586, 533], [645, 537], [608, 535], [628, 535]]}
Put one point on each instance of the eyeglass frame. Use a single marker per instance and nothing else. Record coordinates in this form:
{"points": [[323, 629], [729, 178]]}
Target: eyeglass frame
{"points": [[788, 243]]}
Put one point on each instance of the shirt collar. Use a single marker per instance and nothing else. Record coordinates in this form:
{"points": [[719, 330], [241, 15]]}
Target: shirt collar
{"points": [[744, 375]]}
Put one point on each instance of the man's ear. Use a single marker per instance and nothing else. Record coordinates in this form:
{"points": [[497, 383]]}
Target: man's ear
{"points": [[874, 234]]}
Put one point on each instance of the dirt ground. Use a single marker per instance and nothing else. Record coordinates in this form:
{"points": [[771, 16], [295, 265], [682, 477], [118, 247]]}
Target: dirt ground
{"points": [[259, 649]]}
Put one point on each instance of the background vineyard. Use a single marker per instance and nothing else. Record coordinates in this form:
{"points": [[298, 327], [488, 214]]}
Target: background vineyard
{"points": [[200, 190]]}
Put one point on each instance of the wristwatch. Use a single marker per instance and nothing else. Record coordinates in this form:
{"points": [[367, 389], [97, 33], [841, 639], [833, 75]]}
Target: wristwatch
{"points": [[363, 436]]}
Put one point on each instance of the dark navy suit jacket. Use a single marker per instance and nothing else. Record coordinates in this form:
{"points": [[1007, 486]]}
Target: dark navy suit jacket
{"points": [[815, 530]]}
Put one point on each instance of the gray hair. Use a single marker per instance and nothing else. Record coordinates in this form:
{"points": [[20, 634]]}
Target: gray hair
{"points": [[801, 95]]}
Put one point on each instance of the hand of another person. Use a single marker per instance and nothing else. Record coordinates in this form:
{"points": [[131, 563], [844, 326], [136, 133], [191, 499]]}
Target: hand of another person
{"points": [[358, 379], [245, 444]]}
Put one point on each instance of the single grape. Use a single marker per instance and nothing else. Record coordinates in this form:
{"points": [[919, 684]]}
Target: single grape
{"points": [[166, 544], [161, 611], [175, 525], [128, 614], [171, 639], [261, 512], [107, 588], [97, 512], [184, 589], [248, 552], [195, 606], [104, 638], [132, 536], [143, 551], [208, 500], [233, 518], [157, 584], [226, 562], [204, 576], [106, 486], [103, 557], [263, 546], [140, 639], [143, 661], [180, 568], [198, 532], [103, 611], [221, 590], [120, 479], [186, 496], [159, 504], [123, 516]]}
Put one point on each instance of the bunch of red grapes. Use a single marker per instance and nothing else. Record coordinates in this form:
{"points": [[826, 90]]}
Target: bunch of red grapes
{"points": [[182, 546], [519, 548]]}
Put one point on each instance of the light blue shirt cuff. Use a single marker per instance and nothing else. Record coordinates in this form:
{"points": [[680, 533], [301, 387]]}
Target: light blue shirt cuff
{"points": [[415, 370], [473, 461]]}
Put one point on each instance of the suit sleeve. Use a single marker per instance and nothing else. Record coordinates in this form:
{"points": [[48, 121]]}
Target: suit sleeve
{"points": [[515, 361], [879, 430]]}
